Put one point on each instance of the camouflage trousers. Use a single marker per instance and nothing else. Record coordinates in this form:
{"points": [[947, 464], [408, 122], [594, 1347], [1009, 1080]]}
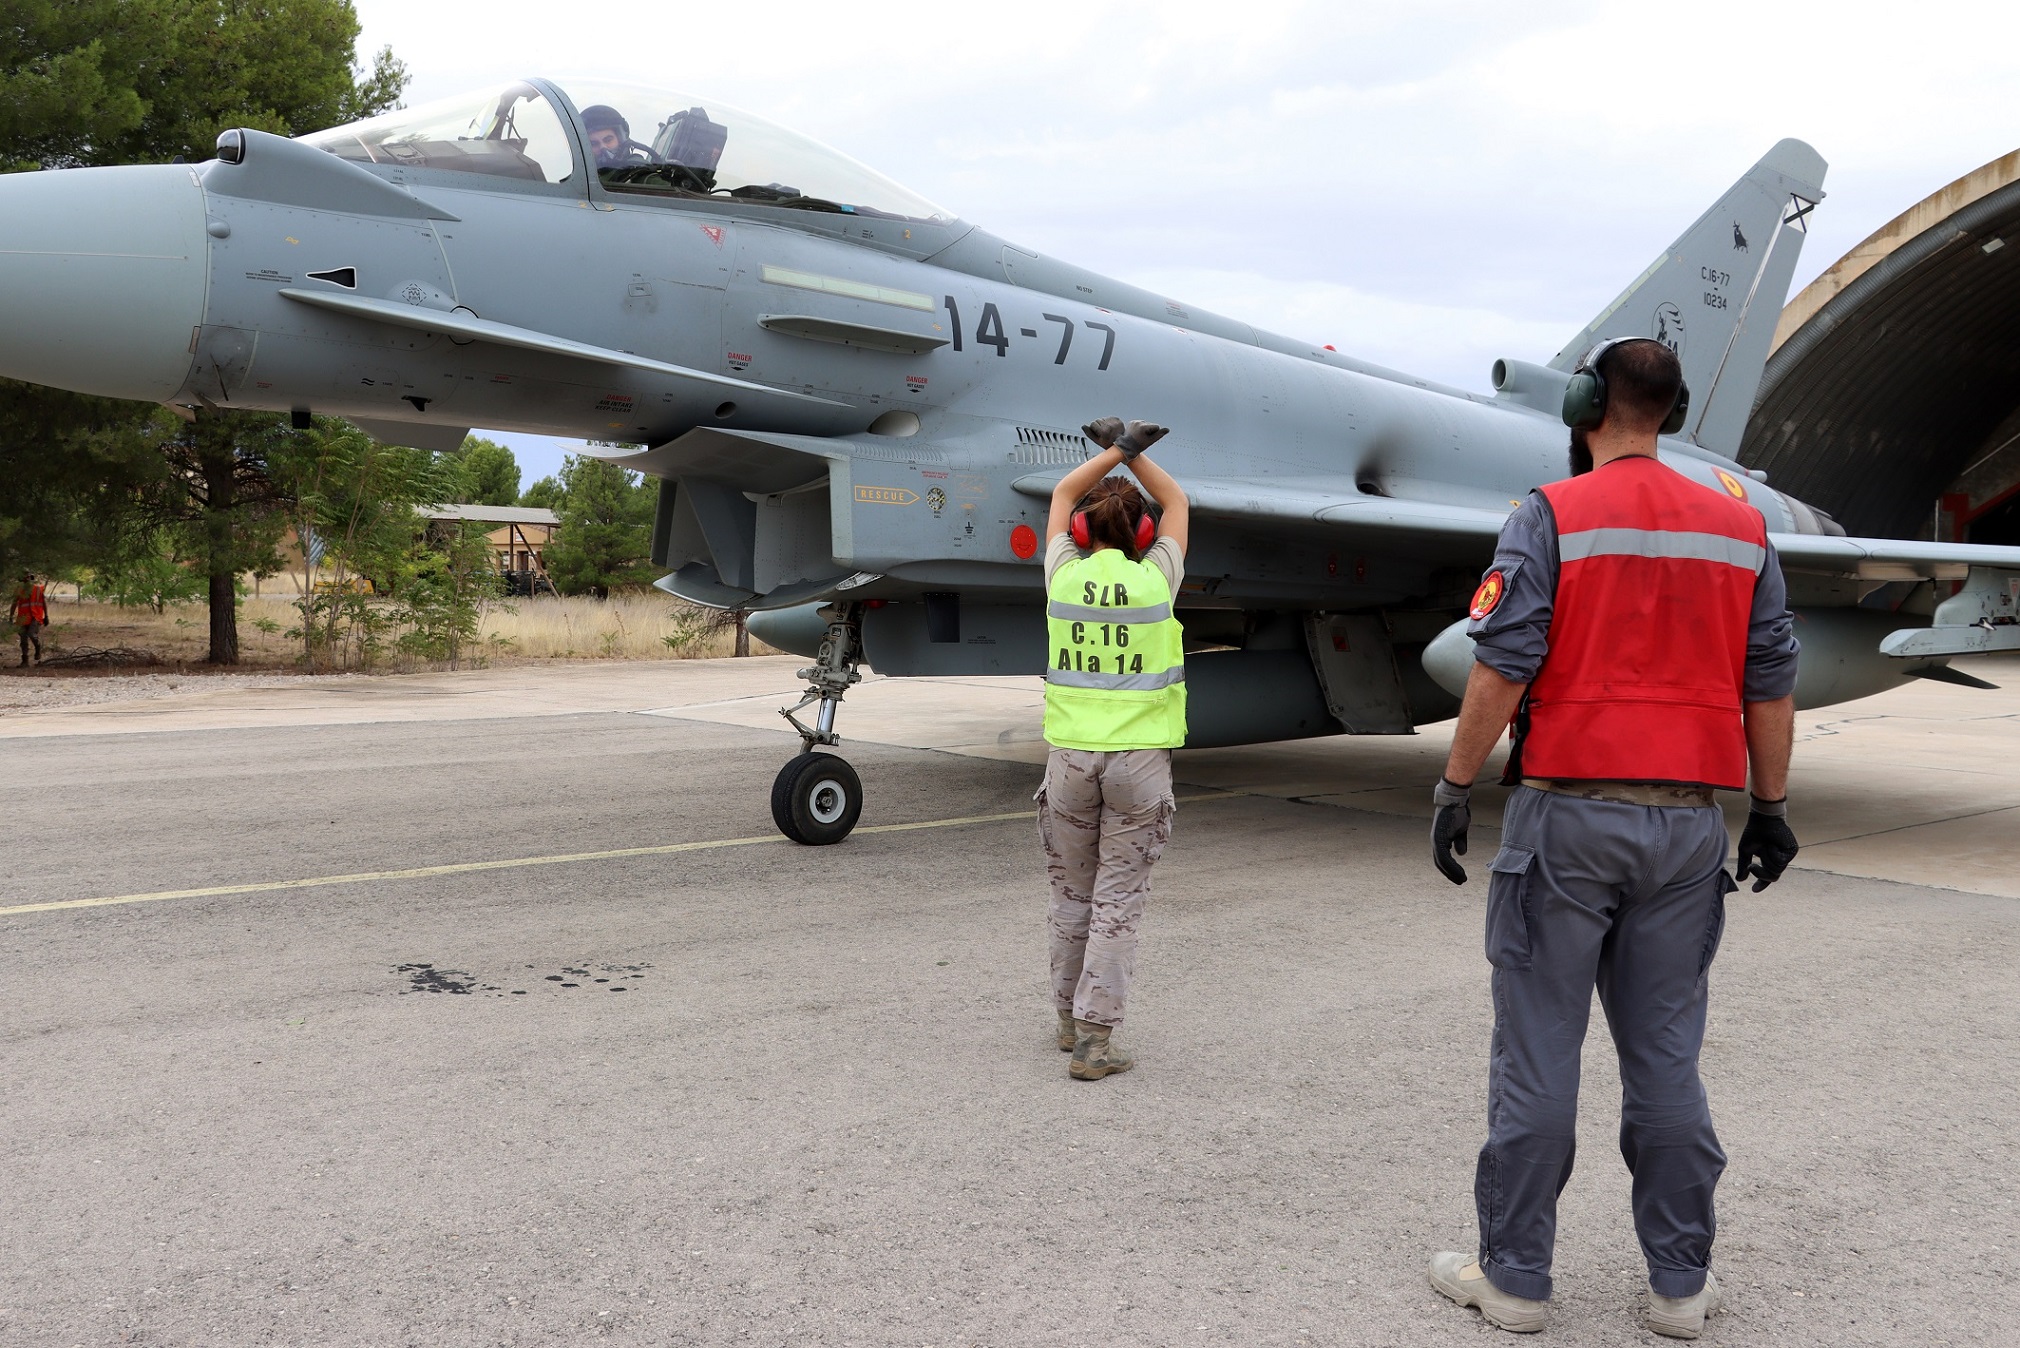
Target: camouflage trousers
{"points": [[1103, 819]]}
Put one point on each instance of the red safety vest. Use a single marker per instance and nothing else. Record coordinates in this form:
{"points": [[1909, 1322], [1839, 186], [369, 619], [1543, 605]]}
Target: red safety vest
{"points": [[31, 605], [1647, 662]]}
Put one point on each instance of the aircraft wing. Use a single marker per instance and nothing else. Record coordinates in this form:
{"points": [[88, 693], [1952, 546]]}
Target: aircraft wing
{"points": [[1889, 558], [1458, 534], [1466, 534]]}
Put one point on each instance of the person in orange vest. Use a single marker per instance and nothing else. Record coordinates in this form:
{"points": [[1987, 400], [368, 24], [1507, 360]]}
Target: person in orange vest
{"points": [[30, 614], [1634, 628]]}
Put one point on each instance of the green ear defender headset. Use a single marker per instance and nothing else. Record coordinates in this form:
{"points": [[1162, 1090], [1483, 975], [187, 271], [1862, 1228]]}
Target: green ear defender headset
{"points": [[1585, 395]]}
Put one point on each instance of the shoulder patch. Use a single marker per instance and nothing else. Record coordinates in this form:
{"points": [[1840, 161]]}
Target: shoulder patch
{"points": [[1488, 597]]}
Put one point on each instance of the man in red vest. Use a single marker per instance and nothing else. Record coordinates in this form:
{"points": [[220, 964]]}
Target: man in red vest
{"points": [[1635, 629], [30, 614]]}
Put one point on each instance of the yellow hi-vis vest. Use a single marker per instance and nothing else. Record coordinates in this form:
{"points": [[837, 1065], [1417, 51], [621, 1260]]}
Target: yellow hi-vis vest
{"points": [[1115, 668]]}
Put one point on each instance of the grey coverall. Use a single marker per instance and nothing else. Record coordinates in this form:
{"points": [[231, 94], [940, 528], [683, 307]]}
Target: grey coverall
{"points": [[1625, 898]]}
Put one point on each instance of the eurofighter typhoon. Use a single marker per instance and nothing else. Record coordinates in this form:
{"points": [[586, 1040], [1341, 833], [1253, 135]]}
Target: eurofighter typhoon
{"points": [[857, 404]]}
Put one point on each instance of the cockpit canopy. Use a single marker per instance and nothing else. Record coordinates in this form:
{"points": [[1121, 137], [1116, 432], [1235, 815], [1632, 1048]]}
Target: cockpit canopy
{"points": [[637, 139]]}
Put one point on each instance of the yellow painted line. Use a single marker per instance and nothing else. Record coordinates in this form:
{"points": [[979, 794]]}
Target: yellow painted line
{"points": [[513, 863]]}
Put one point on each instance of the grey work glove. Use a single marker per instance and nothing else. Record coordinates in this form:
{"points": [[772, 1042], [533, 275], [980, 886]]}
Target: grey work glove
{"points": [[1448, 828], [1766, 845], [1139, 436], [1104, 431]]}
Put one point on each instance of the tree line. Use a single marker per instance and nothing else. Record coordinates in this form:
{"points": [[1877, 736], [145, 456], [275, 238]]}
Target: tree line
{"points": [[155, 505]]}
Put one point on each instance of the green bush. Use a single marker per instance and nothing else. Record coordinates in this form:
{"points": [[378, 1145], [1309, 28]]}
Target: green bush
{"points": [[146, 573]]}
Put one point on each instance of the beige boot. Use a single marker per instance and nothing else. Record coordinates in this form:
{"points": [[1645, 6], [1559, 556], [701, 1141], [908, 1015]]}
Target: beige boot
{"points": [[1093, 1056], [1459, 1277], [1683, 1317], [1067, 1033]]}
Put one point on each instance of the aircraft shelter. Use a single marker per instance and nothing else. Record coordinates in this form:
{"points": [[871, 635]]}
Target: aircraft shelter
{"points": [[1892, 397]]}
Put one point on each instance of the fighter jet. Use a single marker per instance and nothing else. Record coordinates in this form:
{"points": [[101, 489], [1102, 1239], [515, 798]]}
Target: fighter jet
{"points": [[857, 403]]}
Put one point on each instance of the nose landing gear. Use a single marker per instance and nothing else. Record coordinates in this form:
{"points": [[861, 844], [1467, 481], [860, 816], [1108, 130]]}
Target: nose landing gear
{"points": [[817, 798]]}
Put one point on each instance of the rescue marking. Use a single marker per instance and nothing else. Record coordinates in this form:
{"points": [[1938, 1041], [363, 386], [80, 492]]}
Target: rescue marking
{"points": [[900, 496], [517, 863]]}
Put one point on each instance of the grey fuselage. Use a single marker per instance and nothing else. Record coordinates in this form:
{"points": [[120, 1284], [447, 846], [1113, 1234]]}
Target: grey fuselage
{"points": [[839, 403], [1033, 349]]}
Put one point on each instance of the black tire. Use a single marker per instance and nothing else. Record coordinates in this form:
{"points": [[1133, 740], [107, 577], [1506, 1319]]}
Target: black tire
{"points": [[816, 799]]}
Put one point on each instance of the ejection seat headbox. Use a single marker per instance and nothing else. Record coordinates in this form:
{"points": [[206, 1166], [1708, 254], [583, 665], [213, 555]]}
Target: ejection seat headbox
{"points": [[691, 140]]}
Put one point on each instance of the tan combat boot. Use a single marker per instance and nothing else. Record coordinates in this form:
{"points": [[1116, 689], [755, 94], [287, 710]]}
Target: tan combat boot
{"points": [[1683, 1317], [1459, 1277], [1093, 1056], [1068, 1035]]}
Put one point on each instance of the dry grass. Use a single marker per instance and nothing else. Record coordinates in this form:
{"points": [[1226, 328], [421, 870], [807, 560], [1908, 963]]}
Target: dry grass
{"points": [[626, 627], [180, 635]]}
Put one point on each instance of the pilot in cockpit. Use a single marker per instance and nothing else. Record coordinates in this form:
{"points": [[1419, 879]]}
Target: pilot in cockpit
{"points": [[610, 142]]}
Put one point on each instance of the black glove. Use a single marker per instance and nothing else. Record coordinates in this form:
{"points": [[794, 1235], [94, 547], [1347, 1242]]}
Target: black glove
{"points": [[1104, 431], [1448, 828], [1766, 844], [1139, 436]]}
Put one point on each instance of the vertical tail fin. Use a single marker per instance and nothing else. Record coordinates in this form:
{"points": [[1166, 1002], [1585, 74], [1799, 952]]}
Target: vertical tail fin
{"points": [[1715, 295]]}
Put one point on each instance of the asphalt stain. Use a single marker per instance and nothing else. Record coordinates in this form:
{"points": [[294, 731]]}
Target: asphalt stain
{"points": [[460, 982], [609, 977], [427, 978]]}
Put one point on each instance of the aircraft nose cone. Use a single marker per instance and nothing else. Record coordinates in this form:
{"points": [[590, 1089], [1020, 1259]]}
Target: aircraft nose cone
{"points": [[103, 273]]}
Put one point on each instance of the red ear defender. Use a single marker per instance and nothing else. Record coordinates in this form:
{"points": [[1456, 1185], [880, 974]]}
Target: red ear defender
{"points": [[1146, 531]]}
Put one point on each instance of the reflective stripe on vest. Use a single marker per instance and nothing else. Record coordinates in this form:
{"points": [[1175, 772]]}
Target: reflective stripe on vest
{"points": [[1647, 663], [1147, 613], [1115, 676], [1618, 542], [1142, 683]]}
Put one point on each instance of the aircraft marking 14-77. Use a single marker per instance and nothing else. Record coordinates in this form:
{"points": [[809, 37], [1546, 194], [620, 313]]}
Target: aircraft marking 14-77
{"points": [[857, 404]]}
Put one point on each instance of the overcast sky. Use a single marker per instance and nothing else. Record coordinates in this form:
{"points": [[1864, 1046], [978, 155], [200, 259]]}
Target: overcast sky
{"points": [[1428, 186]]}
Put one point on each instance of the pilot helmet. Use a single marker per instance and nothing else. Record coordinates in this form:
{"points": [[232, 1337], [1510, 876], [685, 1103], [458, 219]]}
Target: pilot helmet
{"points": [[601, 117]]}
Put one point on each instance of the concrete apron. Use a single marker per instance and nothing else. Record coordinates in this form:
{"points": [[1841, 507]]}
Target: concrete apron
{"points": [[1919, 785]]}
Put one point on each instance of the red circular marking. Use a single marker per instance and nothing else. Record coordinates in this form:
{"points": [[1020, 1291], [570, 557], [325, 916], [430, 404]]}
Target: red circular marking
{"points": [[1488, 596], [1024, 541]]}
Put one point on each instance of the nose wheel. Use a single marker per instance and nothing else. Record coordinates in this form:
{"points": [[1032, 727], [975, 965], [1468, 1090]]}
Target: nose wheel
{"points": [[817, 798]]}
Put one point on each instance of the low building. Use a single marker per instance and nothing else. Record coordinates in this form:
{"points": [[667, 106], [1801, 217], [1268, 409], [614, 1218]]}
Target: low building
{"points": [[518, 535]]}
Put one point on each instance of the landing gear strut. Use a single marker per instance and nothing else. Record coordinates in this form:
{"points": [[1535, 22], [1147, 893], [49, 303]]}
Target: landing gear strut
{"points": [[817, 798]]}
